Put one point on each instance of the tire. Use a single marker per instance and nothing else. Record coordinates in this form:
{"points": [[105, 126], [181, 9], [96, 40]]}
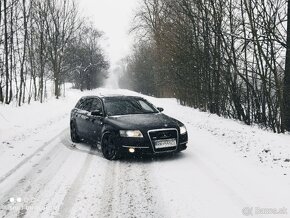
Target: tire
{"points": [[109, 149], [74, 133]]}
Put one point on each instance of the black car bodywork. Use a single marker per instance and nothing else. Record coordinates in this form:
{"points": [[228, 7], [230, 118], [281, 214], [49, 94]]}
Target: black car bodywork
{"points": [[149, 131]]}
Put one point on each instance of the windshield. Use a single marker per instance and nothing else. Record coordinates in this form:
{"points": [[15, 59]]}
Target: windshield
{"points": [[128, 106]]}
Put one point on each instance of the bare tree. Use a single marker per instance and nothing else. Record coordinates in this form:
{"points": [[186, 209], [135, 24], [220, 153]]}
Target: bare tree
{"points": [[223, 56], [35, 36]]}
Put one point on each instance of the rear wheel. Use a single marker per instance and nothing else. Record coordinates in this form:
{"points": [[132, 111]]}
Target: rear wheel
{"points": [[74, 133], [109, 149]]}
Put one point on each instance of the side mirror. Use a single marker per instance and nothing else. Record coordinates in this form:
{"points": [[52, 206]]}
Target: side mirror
{"points": [[160, 109], [97, 113]]}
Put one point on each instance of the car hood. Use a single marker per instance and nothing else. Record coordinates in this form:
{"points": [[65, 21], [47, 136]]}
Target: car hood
{"points": [[143, 121]]}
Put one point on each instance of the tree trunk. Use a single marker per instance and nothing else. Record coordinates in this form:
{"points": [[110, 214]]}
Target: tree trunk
{"points": [[6, 54], [22, 84], [285, 114]]}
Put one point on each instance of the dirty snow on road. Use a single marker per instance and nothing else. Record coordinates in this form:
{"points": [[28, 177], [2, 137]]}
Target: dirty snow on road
{"points": [[229, 169]]}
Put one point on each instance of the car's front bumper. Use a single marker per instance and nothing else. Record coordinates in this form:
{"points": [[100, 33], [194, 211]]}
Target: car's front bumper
{"points": [[145, 145], [148, 151]]}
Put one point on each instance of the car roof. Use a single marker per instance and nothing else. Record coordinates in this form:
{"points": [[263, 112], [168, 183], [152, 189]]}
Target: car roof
{"points": [[111, 96]]}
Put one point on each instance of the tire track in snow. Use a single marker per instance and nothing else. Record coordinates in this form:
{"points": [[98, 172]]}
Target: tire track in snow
{"points": [[108, 190], [128, 191], [71, 194], [32, 183], [25, 160]]}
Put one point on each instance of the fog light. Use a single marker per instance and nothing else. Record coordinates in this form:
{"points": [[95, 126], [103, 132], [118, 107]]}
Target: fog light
{"points": [[131, 150]]}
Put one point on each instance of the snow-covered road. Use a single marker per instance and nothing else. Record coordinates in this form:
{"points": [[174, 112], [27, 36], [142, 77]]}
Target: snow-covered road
{"points": [[229, 169]]}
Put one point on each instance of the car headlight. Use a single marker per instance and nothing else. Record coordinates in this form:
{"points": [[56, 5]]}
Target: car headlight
{"points": [[131, 133], [182, 130]]}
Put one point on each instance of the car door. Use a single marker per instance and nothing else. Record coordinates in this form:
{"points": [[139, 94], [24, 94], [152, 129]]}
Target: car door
{"points": [[83, 117], [76, 111], [95, 122]]}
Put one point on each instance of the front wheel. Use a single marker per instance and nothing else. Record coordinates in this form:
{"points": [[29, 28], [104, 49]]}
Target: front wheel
{"points": [[109, 149]]}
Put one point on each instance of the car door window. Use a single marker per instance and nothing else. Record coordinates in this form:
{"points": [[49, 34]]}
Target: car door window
{"points": [[96, 105], [86, 105], [80, 102]]}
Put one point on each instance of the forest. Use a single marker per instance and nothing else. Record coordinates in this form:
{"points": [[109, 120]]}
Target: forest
{"points": [[227, 57], [46, 41]]}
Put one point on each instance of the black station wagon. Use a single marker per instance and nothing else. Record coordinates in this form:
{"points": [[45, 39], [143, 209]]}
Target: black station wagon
{"points": [[120, 125]]}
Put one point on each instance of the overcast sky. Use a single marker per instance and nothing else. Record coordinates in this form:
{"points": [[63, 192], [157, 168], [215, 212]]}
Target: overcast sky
{"points": [[114, 18]]}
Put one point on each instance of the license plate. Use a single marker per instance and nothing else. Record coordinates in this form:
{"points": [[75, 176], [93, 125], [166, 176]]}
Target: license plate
{"points": [[165, 143]]}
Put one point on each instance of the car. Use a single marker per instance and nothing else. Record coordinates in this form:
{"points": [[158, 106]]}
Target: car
{"points": [[121, 125]]}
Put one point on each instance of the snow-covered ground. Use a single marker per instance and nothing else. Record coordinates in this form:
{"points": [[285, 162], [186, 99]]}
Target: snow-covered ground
{"points": [[229, 169]]}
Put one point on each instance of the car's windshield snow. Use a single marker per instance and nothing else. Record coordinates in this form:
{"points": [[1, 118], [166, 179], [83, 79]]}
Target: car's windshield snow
{"points": [[128, 106]]}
